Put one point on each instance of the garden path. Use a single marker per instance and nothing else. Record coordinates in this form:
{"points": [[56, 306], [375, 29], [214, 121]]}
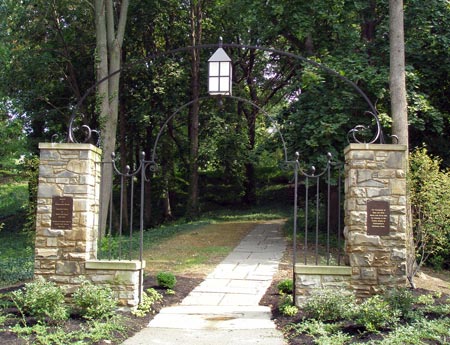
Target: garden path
{"points": [[224, 308]]}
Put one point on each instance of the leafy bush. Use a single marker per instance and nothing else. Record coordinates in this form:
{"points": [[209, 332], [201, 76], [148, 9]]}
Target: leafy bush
{"points": [[401, 300], [375, 313], [149, 297], [285, 286], [329, 304], [166, 280], [287, 306], [429, 190], [94, 301], [42, 300]]}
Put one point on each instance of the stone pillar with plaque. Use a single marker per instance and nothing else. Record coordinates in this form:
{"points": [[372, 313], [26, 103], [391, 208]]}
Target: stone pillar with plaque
{"points": [[376, 216], [66, 221]]}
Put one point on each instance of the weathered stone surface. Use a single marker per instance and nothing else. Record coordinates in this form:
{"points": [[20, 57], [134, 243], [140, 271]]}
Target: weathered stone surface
{"points": [[380, 173], [69, 268], [47, 253]]}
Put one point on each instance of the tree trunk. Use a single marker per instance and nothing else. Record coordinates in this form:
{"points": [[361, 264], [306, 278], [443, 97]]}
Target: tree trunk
{"points": [[397, 83], [109, 47], [196, 33], [397, 86]]}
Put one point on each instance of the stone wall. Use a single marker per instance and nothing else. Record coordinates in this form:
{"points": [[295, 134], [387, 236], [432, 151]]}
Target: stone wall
{"points": [[310, 278], [67, 224], [376, 235], [121, 276]]}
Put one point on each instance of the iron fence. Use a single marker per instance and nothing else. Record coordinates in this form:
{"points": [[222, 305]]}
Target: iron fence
{"points": [[318, 220]]}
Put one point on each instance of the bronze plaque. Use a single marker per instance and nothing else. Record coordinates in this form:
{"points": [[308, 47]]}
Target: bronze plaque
{"points": [[378, 214], [62, 212]]}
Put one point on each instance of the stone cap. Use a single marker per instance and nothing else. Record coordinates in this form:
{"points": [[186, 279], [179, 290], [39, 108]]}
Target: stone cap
{"points": [[323, 270], [375, 147], [69, 146], [123, 265]]}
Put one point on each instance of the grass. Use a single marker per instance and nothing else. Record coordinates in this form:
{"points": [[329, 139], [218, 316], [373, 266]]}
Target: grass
{"points": [[198, 250], [112, 246]]}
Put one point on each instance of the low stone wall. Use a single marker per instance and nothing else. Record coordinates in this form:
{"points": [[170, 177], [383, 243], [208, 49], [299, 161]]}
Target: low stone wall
{"points": [[123, 277], [310, 278]]}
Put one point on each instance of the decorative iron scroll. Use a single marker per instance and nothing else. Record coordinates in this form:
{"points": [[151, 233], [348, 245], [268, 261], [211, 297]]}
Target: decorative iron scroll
{"points": [[353, 134]]}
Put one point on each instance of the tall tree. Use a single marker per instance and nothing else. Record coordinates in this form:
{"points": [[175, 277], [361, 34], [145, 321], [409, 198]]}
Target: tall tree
{"points": [[397, 75], [110, 37], [196, 15]]}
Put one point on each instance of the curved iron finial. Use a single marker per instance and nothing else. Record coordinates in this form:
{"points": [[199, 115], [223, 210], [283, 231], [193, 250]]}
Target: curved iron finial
{"points": [[353, 133]]}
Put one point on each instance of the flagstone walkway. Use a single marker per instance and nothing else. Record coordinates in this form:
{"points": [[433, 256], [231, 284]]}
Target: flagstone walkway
{"points": [[224, 308]]}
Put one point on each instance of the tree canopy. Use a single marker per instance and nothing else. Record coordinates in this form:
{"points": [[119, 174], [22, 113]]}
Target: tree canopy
{"points": [[48, 56]]}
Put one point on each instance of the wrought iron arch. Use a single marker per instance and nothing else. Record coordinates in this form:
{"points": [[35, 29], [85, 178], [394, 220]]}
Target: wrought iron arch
{"points": [[378, 136]]}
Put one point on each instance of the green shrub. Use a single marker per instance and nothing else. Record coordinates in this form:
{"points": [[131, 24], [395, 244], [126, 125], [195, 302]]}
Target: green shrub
{"points": [[401, 300], [328, 304], [374, 314], [149, 297], [42, 300], [285, 286], [429, 192], [287, 306], [94, 301], [166, 280]]}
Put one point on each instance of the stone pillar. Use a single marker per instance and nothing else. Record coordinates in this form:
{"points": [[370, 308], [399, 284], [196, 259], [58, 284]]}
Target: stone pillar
{"points": [[375, 216], [68, 201]]}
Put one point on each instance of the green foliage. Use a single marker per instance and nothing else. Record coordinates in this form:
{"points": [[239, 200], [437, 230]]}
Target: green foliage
{"points": [[42, 300], [286, 306], [13, 198], [285, 286], [314, 328], [166, 280], [420, 332], [427, 299], [429, 189], [149, 298], [16, 258], [94, 301], [401, 300], [93, 332], [328, 304], [375, 314], [30, 171]]}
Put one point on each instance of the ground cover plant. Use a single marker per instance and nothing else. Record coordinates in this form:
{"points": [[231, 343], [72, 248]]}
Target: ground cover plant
{"points": [[333, 316]]}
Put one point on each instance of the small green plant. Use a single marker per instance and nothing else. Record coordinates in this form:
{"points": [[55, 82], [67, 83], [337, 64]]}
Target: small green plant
{"points": [[166, 280], [313, 328], [94, 301], [149, 297], [329, 304], [375, 313], [401, 300], [287, 306], [42, 300], [170, 292], [426, 300], [285, 286]]}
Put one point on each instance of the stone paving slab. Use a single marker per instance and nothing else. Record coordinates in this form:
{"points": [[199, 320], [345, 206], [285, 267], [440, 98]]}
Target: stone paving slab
{"points": [[213, 317], [165, 336]]}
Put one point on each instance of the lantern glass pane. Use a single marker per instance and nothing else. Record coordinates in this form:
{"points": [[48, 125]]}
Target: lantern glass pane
{"points": [[213, 84], [214, 69], [224, 84], [224, 68]]}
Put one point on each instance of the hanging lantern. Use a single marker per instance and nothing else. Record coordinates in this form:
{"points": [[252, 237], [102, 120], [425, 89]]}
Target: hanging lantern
{"points": [[219, 73]]}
